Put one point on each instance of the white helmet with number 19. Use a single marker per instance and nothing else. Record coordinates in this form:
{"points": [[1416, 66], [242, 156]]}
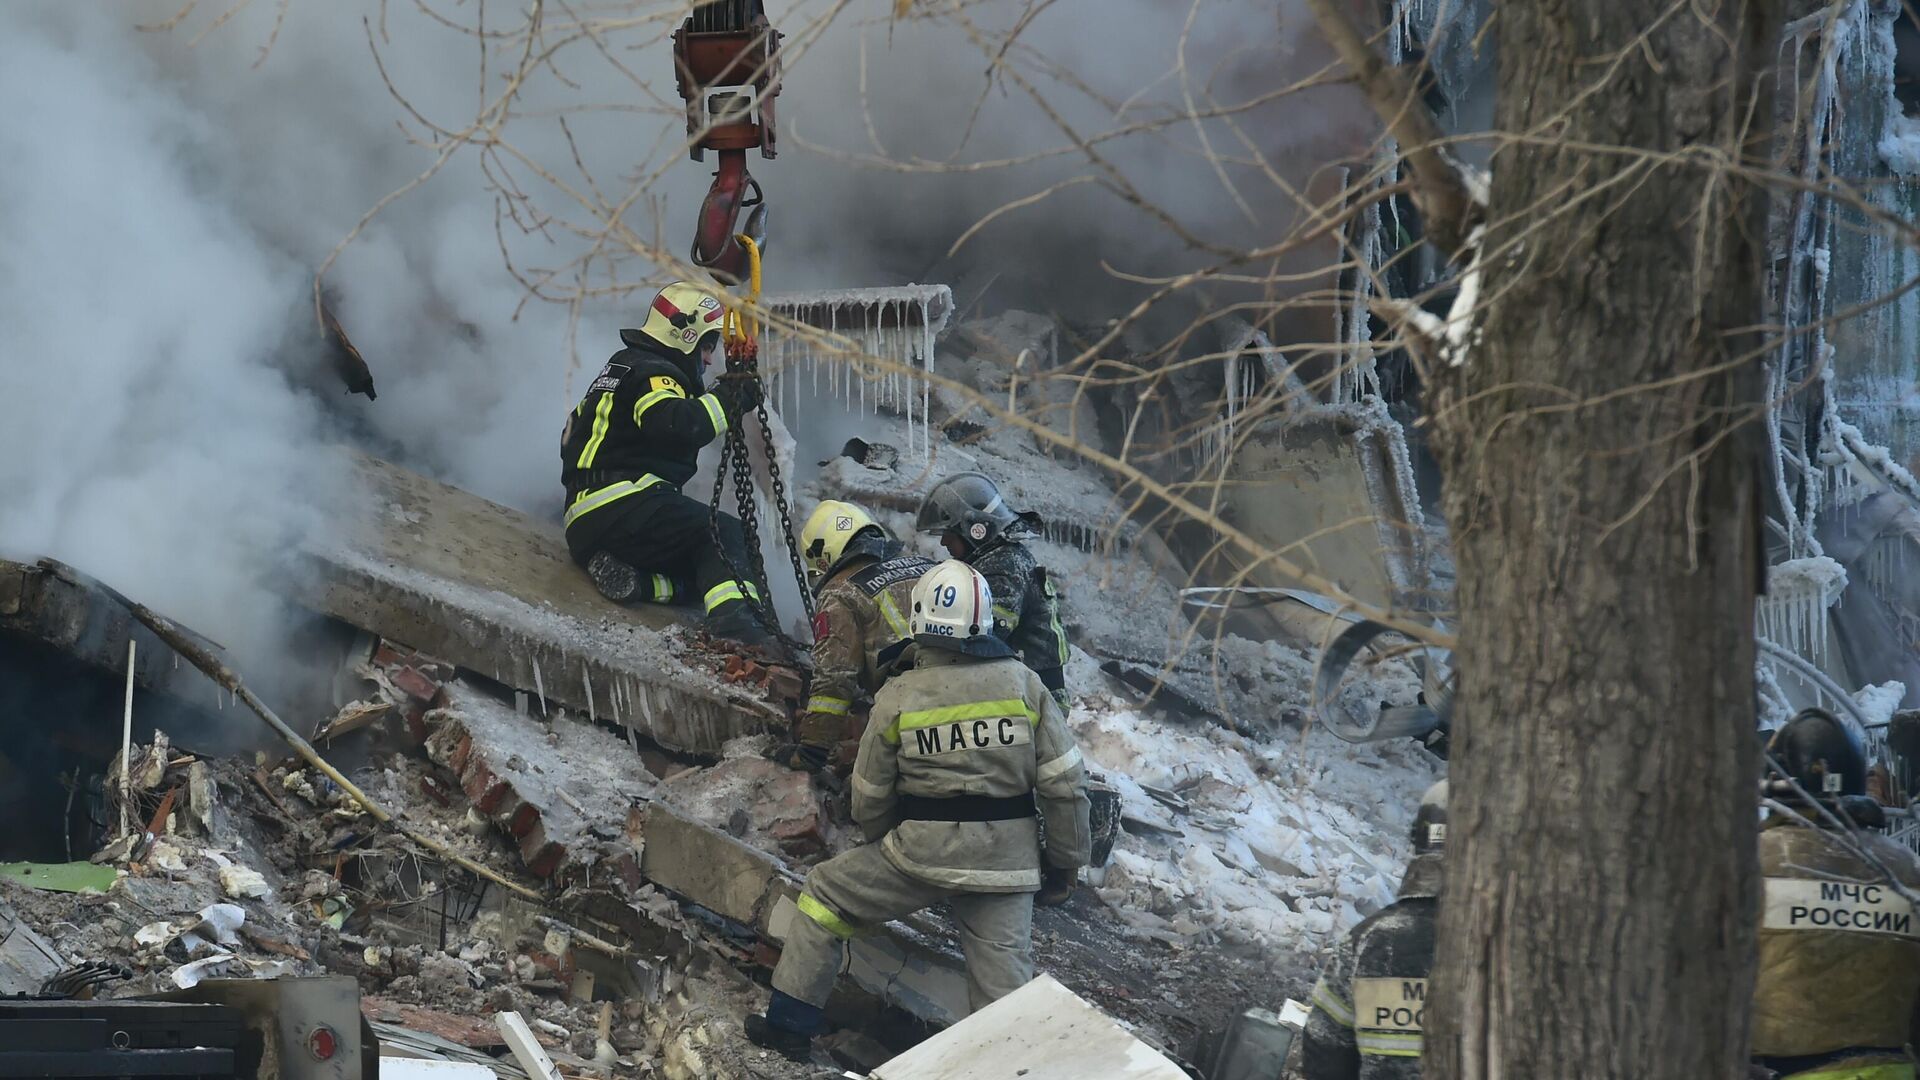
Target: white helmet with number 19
{"points": [[953, 609]]}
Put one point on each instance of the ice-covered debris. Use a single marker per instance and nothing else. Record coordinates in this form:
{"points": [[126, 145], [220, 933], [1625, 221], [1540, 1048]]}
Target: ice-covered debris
{"points": [[1879, 703], [1793, 612], [1900, 143]]}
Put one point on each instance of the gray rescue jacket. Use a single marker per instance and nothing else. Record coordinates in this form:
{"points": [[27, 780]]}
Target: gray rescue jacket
{"points": [[1369, 1007], [963, 728]]}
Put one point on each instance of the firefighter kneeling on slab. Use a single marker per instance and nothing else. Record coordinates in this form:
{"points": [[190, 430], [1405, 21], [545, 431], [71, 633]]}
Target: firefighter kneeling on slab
{"points": [[633, 442], [1370, 1005], [1839, 944], [956, 755]]}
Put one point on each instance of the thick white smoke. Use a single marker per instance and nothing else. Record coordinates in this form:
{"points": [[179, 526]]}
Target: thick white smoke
{"points": [[168, 195]]}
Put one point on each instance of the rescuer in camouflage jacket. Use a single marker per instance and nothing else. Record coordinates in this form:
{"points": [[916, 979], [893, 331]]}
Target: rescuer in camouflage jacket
{"points": [[975, 524], [1839, 946], [861, 635], [1369, 1007]]}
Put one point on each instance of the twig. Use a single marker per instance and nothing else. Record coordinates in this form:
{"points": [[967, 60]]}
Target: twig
{"points": [[1442, 193]]}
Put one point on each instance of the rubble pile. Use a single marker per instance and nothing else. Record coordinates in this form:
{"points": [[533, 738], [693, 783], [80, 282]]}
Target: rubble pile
{"points": [[594, 840]]}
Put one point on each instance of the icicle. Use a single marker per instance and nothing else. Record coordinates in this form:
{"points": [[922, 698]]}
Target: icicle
{"points": [[586, 676], [539, 686]]}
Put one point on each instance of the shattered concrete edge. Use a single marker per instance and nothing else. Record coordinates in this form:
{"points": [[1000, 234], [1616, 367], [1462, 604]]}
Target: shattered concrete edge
{"points": [[493, 590], [668, 848]]}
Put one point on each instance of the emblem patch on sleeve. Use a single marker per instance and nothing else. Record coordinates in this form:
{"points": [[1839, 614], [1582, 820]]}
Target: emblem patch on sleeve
{"points": [[668, 383]]}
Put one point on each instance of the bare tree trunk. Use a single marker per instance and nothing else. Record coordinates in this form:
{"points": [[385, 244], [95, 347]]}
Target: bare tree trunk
{"points": [[1601, 456]]}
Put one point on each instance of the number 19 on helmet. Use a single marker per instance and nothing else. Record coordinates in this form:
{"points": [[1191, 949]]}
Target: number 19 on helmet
{"points": [[951, 602]]}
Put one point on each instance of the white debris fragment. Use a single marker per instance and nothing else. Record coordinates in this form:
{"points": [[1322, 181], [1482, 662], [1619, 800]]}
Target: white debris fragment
{"points": [[1900, 143], [240, 882], [165, 856], [188, 976]]}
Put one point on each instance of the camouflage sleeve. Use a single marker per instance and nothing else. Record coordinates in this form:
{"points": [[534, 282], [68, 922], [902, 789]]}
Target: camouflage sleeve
{"points": [[1060, 783], [1007, 579], [877, 769], [1328, 1050], [838, 655]]}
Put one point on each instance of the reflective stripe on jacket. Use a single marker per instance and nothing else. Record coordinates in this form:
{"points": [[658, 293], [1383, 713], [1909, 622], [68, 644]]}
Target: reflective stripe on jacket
{"points": [[860, 632]]}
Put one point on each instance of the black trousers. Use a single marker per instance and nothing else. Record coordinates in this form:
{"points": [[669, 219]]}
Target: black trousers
{"points": [[665, 532]]}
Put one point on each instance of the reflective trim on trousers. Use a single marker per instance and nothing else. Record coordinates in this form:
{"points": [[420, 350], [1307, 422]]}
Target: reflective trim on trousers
{"points": [[588, 501], [954, 877], [838, 706], [823, 915], [728, 591]]}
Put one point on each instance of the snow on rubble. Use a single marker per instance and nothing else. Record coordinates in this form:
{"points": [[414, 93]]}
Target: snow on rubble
{"points": [[1272, 847]]}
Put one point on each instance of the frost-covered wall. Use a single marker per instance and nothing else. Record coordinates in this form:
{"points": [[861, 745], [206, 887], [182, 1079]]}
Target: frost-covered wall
{"points": [[1875, 147]]}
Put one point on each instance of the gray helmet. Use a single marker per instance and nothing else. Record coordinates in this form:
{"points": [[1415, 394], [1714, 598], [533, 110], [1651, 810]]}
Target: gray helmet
{"points": [[1430, 822], [968, 504]]}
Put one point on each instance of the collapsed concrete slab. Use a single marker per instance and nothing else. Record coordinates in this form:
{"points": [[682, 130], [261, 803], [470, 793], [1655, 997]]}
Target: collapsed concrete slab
{"points": [[1331, 488], [1042, 1031], [494, 591], [52, 604]]}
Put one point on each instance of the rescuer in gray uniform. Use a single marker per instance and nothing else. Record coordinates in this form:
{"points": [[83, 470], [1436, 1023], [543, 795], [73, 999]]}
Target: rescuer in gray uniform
{"points": [[1370, 1004], [956, 755]]}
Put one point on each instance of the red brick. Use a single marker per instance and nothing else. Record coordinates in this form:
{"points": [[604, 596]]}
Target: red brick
{"points": [[457, 761], [523, 820], [390, 655], [765, 954], [800, 836], [433, 789], [546, 857], [414, 684]]}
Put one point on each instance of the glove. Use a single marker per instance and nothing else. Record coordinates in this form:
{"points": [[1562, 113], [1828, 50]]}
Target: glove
{"points": [[739, 395], [1057, 885]]}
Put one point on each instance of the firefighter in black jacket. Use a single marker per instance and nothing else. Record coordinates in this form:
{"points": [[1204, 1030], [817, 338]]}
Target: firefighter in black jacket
{"points": [[631, 444]]}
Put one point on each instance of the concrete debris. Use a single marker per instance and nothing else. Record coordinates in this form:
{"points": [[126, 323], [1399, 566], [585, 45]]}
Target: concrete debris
{"points": [[494, 591], [1042, 1031], [242, 883]]}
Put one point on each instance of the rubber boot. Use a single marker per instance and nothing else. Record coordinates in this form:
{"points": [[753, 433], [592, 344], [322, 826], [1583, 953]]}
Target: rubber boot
{"points": [[799, 756], [616, 580], [788, 1027]]}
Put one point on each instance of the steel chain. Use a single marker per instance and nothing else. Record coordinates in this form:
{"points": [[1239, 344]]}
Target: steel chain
{"points": [[735, 459]]}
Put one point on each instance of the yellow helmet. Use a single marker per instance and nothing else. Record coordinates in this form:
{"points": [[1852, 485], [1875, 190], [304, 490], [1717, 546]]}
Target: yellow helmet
{"points": [[681, 315], [831, 532]]}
